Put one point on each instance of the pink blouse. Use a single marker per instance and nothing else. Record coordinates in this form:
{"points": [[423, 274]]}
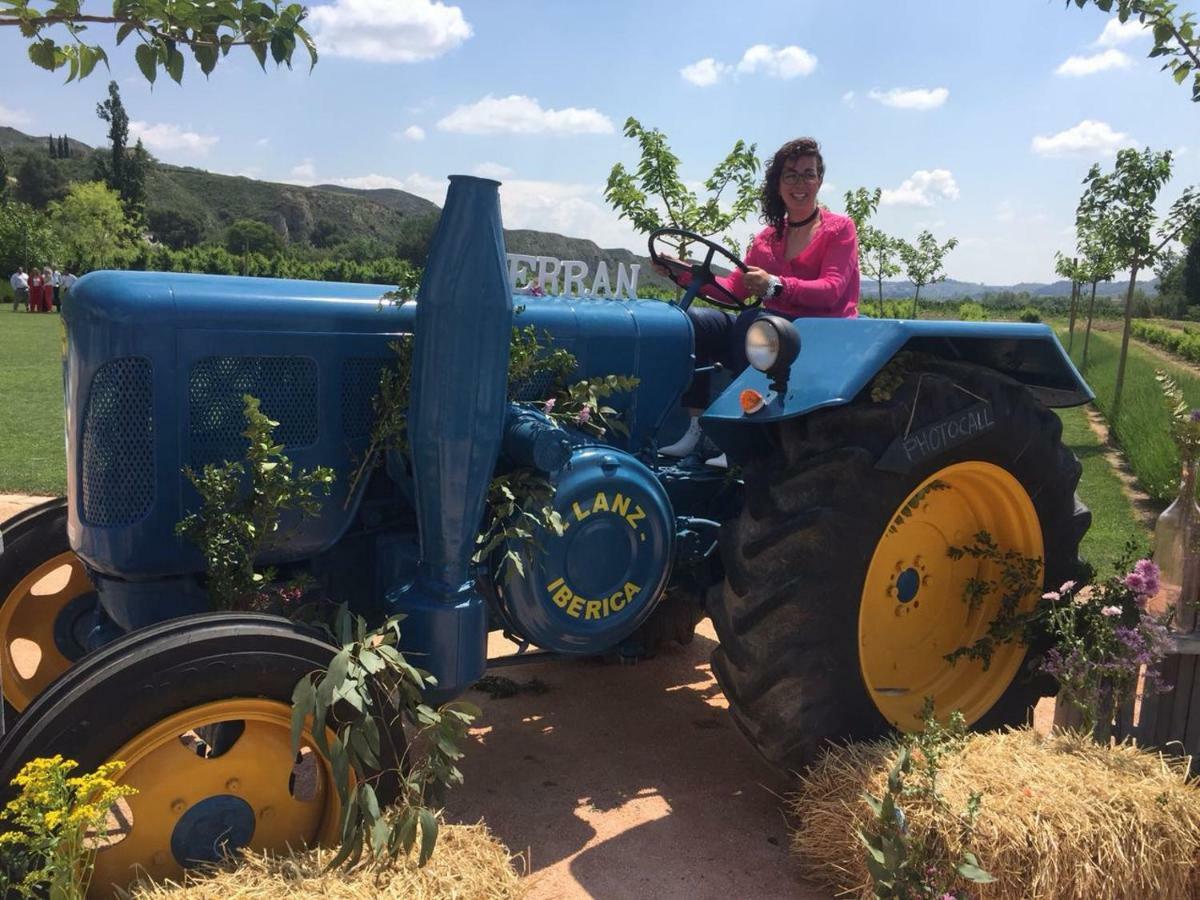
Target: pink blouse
{"points": [[821, 280]]}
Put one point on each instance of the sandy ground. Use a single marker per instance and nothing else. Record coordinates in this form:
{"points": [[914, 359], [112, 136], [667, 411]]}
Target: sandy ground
{"points": [[628, 781], [11, 504]]}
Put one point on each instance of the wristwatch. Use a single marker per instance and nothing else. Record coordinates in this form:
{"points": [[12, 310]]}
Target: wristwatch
{"points": [[774, 288]]}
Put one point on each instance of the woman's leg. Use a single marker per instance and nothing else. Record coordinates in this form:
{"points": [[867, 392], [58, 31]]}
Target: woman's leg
{"points": [[711, 329]]}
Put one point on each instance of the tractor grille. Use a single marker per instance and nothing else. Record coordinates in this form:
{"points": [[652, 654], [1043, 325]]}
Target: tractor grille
{"points": [[286, 386], [360, 384], [117, 479], [536, 387]]}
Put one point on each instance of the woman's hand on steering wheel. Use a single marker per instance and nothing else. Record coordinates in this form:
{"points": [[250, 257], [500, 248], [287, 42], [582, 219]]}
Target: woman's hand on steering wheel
{"points": [[688, 274]]}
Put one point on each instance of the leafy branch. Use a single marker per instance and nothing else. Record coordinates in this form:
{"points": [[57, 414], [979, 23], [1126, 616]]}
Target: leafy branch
{"points": [[1175, 36]]}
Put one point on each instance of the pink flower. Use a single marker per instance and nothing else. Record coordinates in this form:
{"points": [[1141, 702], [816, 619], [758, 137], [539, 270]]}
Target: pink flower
{"points": [[585, 414], [1052, 595], [1067, 586], [1110, 611], [549, 405]]}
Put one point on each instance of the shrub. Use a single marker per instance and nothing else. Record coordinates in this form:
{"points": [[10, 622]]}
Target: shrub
{"points": [[1029, 314], [972, 312]]}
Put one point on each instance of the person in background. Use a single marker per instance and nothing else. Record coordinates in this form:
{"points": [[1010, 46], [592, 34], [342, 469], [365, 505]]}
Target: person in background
{"points": [[804, 263], [35, 289], [68, 282], [20, 286], [56, 282]]}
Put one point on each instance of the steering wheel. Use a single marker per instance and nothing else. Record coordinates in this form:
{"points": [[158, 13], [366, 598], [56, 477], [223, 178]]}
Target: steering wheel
{"points": [[692, 276]]}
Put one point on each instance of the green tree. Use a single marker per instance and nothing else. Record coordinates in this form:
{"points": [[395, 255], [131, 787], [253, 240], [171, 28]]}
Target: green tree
{"points": [[654, 196], [26, 237], [1095, 252], [923, 263], [1125, 200], [877, 251], [1068, 267], [174, 228], [91, 226], [1175, 36], [3, 177], [39, 181], [209, 29], [1171, 300], [251, 236], [1191, 271], [64, 149]]}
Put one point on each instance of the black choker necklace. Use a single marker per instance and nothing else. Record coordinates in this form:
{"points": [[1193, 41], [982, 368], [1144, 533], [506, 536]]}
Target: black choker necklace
{"points": [[804, 222]]}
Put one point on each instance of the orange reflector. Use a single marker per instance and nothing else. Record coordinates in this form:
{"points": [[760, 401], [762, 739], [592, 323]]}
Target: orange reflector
{"points": [[751, 400]]}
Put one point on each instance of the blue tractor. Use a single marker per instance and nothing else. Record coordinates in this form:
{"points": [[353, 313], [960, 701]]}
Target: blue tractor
{"points": [[862, 449]]}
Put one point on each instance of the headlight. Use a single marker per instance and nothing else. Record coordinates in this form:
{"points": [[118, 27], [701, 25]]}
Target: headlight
{"points": [[762, 345]]}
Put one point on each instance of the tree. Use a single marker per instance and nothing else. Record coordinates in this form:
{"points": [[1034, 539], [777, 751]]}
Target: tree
{"points": [[1069, 268], [1168, 269], [876, 250], [1175, 37], [923, 262], [64, 148], [26, 238], [251, 236], [3, 178], [1096, 258], [1191, 271], [164, 28], [39, 181], [91, 226], [113, 112], [175, 229], [637, 196], [1125, 200]]}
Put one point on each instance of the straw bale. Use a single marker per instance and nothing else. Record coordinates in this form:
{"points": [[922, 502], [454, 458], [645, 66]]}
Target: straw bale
{"points": [[469, 864], [1062, 817]]}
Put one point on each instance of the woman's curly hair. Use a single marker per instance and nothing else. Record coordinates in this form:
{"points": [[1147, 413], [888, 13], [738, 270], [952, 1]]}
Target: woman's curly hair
{"points": [[774, 213]]}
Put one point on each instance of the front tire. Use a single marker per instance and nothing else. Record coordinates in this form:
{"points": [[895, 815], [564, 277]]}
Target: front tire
{"points": [[838, 609]]}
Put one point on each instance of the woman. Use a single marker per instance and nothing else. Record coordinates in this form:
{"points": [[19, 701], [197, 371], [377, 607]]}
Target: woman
{"points": [[804, 263], [35, 289]]}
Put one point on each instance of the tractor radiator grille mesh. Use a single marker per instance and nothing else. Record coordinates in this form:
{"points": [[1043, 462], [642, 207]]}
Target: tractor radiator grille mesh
{"points": [[536, 387], [117, 477], [360, 384], [285, 385]]}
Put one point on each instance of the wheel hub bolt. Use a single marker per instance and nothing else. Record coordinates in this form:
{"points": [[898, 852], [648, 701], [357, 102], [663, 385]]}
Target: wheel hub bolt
{"points": [[178, 806], [267, 813]]}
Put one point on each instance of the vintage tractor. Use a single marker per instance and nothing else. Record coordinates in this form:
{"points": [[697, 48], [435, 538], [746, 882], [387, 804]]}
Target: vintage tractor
{"points": [[873, 447]]}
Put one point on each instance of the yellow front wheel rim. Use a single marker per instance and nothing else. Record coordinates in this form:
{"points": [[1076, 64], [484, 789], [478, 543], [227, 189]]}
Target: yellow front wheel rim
{"points": [[29, 652], [913, 612], [187, 801]]}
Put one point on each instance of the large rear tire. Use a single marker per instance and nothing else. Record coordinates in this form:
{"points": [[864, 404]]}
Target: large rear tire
{"points": [[199, 709], [47, 604], [838, 609]]}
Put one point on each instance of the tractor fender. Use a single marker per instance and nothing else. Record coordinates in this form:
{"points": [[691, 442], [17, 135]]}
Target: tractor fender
{"points": [[839, 357]]}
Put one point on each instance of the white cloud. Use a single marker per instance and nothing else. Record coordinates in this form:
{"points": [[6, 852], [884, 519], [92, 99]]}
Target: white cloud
{"points": [[14, 118], [164, 138], [305, 172], [1115, 33], [517, 114], [1097, 62], [1089, 136], [704, 72], [782, 62], [412, 133], [492, 170], [392, 31], [914, 98], [922, 188]]}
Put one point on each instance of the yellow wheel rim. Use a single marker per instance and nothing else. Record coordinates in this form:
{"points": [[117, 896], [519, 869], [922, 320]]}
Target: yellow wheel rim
{"points": [[913, 613], [30, 655], [245, 795]]}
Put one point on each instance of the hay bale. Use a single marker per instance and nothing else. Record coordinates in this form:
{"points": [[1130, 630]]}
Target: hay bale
{"points": [[469, 864], [1062, 817]]}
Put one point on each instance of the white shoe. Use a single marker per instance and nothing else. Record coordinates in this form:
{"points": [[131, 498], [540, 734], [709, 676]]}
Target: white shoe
{"points": [[718, 462], [685, 444]]}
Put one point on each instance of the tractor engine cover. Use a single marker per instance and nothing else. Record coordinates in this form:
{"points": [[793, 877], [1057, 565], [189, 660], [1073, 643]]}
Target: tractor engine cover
{"points": [[586, 589]]}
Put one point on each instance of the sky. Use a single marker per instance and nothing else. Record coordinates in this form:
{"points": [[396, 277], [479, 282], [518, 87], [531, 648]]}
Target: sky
{"points": [[978, 120]]}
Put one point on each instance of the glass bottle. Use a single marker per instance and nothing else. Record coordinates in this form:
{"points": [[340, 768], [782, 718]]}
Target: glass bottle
{"points": [[1175, 553]]}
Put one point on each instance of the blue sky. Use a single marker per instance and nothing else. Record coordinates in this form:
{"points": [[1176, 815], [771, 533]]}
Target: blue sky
{"points": [[978, 120]]}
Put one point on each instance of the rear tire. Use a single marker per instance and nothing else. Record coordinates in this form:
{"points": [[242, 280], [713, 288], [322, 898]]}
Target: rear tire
{"points": [[802, 574]]}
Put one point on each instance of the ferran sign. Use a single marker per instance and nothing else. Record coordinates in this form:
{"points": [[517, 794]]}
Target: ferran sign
{"points": [[570, 277], [909, 451]]}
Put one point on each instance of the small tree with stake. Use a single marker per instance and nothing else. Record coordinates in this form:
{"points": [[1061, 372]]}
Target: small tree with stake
{"points": [[1069, 268], [1125, 200], [1095, 254], [923, 263], [877, 251]]}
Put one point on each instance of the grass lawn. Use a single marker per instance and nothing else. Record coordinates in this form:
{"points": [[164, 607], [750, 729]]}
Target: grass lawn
{"points": [[1143, 429], [1113, 519], [32, 459]]}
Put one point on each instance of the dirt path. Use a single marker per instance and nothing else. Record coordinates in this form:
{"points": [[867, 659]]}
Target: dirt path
{"points": [[1144, 507], [11, 504]]}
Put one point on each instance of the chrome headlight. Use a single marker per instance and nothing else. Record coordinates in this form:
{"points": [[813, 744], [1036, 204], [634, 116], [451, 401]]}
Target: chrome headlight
{"points": [[762, 345]]}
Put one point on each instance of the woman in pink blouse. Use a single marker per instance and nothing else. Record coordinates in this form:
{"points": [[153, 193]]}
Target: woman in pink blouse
{"points": [[804, 263]]}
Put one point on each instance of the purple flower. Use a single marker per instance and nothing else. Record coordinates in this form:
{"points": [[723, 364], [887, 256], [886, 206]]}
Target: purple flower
{"points": [[1195, 415], [1136, 583], [1149, 571], [585, 414], [1110, 611], [549, 405]]}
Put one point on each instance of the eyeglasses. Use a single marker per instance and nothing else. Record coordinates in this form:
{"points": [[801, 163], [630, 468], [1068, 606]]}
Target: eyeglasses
{"points": [[809, 176]]}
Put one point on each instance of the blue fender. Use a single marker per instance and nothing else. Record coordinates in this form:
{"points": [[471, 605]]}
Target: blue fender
{"points": [[839, 357]]}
